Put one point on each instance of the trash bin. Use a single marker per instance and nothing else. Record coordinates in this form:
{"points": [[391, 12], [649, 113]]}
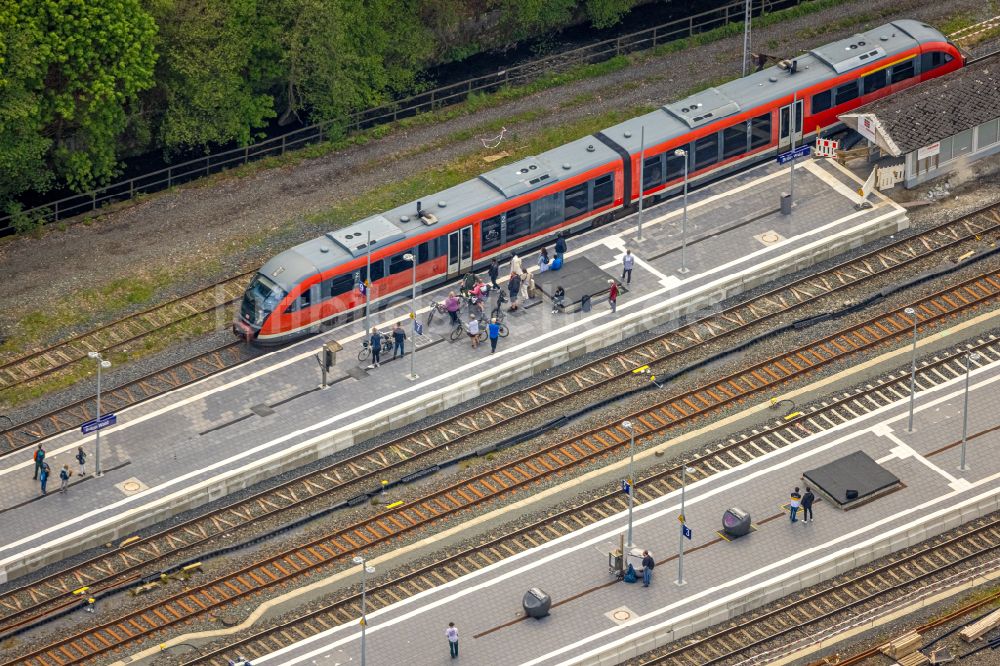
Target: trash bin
{"points": [[786, 203], [536, 603], [585, 303], [735, 522]]}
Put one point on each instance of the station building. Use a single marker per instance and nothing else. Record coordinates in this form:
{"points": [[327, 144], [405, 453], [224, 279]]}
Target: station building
{"points": [[939, 126]]}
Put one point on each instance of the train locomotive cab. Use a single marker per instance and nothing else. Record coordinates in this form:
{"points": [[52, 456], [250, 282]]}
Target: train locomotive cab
{"points": [[259, 301]]}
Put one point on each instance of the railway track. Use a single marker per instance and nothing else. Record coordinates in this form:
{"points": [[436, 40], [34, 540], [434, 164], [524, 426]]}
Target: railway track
{"points": [[483, 488], [43, 362], [722, 456], [738, 640], [983, 225], [35, 599]]}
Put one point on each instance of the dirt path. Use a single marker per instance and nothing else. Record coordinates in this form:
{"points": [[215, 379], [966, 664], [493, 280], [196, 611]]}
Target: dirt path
{"points": [[205, 231]]}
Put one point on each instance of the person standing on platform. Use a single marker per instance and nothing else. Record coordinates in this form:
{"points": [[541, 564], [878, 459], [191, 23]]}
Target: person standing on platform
{"points": [[375, 344], [493, 331], [560, 247], [81, 458], [543, 261], [494, 272], [513, 288], [628, 261], [39, 460], [527, 287], [515, 266], [43, 476], [647, 568], [473, 330], [807, 505], [64, 475], [452, 305], [613, 295], [398, 338], [451, 633], [794, 503]]}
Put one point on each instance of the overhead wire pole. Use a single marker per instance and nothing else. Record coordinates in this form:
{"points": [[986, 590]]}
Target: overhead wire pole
{"points": [[746, 35], [368, 282], [642, 168], [791, 135]]}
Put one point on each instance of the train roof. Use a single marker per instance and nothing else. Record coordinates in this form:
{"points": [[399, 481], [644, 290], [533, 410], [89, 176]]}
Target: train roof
{"points": [[490, 189], [822, 63]]}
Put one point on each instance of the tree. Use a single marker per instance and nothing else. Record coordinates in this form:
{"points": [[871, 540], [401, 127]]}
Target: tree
{"points": [[207, 86], [71, 69], [342, 55], [606, 13]]}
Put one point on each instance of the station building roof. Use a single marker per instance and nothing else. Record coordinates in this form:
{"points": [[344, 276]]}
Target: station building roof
{"points": [[935, 109]]}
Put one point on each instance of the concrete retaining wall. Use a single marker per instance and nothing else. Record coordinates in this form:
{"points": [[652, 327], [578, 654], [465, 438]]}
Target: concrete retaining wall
{"points": [[154, 511], [656, 637]]}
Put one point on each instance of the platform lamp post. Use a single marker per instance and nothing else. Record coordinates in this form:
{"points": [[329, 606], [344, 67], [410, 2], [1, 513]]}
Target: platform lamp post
{"points": [[367, 281], [680, 547], [101, 363], [680, 152], [912, 314], [413, 311], [631, 475], [365, 569], [970, 356]]}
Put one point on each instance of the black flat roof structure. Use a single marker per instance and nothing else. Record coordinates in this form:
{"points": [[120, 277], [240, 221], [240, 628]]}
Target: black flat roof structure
{"points": [[579, 276], [857, 472]]}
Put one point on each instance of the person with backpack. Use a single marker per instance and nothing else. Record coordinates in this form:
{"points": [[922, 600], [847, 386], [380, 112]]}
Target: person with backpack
{"points": [[64, 475], [39, 460], [81, 458], [43, 476], [543, 261], [647, 568], [513, 288], [560, 248], [794, 503]]}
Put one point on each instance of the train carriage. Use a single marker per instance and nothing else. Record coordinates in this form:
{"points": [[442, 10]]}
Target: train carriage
{"points": [[520, 205]]}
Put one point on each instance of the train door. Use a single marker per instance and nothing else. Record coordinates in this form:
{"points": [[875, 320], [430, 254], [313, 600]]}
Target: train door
{"points": [[459, 251], [787, 132]]}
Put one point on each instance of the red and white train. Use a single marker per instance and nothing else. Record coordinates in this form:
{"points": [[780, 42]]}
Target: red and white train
{"points": [[585, 182]]}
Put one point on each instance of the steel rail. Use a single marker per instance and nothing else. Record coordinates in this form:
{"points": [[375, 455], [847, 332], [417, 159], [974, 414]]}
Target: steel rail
{"points": [[541, 465], [28, 600], [737, 452]]}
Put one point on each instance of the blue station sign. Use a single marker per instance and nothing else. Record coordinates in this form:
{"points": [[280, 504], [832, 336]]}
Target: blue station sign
{"points": [[801, 151], [95, 424]]}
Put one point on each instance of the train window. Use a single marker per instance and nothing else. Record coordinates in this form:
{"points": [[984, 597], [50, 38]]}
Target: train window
{"points": [[337, 285], [489, 231], [902, 71], [547, 211], [576, 202], [397, 264], [933, 60], [518, 222], [734, 140], [760, 131], [652, 172], [706, 151], [424, 252], [675, 163], [962, 143], [604, 191], [846, 92], [874, 81], [378, 270], [822, 101]]}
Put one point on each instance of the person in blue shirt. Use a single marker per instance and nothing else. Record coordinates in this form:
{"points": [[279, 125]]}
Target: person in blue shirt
{"points": [[43, 476], [493, 330], [375, 344]]}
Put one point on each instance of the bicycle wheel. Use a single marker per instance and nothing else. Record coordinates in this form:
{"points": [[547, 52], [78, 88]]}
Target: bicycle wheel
{"points": [[482, 336], [364, 353], [430, 316], [456, 333], [503, 330]]}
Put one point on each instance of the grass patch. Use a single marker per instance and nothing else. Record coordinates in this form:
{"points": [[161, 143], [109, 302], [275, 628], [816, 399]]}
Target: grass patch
{"points": [[956, 23]]}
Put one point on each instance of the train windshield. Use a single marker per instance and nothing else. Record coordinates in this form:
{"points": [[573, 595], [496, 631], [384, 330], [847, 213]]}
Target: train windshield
{"points": [[261, 297]]}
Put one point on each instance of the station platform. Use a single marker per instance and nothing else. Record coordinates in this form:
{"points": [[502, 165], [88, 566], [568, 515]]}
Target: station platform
{"points": [[595, 621], [229, 431]]}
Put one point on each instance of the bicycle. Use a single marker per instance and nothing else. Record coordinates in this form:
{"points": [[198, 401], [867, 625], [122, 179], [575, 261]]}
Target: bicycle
{"points": [[435, 307], [387, 344], [461, 330]]}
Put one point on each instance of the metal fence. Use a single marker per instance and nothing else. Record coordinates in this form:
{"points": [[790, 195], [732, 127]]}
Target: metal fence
{"points": [[413, 105]]}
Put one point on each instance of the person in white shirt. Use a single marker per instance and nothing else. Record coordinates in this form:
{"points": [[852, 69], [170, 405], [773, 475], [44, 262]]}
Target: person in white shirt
{"points": [[451, 633], [628, 261], [473, 330]]}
